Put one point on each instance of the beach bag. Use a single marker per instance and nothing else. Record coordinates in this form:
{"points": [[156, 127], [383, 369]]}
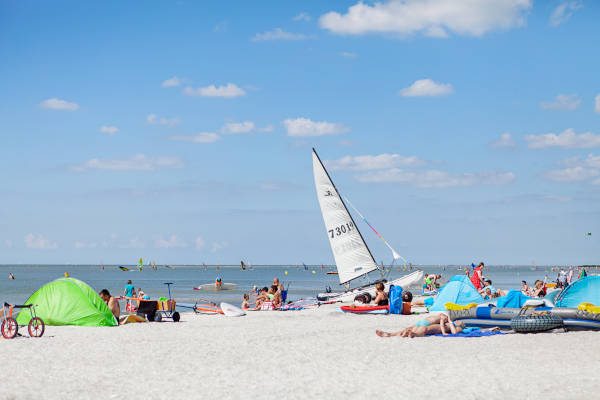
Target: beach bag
{"points": [[395, 299]]}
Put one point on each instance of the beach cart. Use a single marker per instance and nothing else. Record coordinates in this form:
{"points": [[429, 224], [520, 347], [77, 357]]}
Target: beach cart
{"points": [[10, 328], [166, 308]]}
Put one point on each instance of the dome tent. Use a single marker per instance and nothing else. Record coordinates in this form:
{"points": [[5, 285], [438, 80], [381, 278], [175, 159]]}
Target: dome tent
{"points": [[68, 301], [584, 290], [458, 290]]}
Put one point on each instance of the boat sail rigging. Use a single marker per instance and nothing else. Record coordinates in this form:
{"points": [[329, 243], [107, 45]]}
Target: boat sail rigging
{"points": [[352, 255]]}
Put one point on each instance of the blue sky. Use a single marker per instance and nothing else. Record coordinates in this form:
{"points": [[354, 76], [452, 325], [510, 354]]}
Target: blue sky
{"points": [[181, 132]]}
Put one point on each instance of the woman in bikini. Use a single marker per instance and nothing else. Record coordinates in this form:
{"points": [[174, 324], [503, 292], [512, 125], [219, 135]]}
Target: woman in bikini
{"points": [[381, 297], [431, 325]]}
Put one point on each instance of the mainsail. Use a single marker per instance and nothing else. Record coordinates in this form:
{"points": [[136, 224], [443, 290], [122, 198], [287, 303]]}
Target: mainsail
{"points": [[352, 256]]}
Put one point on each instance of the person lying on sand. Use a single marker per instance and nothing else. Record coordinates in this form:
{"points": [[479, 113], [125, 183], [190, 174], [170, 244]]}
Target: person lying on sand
{"points": [[432, 325], [381, 297], [111, 302]]}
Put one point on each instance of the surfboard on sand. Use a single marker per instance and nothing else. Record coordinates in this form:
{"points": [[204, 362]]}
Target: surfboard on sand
{"points": [[231, 310], [210, 287]]}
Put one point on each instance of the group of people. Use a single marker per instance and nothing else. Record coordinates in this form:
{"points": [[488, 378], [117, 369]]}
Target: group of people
{"points": [[129, 291], [538, 289], [268, 298], [431, 282]]}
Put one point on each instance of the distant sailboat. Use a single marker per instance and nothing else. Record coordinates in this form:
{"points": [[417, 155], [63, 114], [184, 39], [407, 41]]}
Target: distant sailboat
{"points": [[352, 256], [243, 266]]}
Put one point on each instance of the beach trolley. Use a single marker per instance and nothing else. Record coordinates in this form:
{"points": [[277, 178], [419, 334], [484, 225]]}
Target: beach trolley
{"points": [[10, 328], [166, 308]]}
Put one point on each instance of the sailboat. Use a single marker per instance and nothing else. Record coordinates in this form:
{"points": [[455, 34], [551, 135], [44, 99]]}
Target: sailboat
{"points": [[352, 256]]}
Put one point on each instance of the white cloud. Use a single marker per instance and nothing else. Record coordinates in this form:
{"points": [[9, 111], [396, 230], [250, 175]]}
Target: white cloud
{"points": [[139, 162], [279, 34], [57, 104], [437, 179], [134, 243], [504, 141], [381, 161], [238, 127], [426, 88], [597, 103], [302, 17], [199, 243], [434, 18], [305, 127], [347, 54], [574, 174], [203, 137], [39, 242], [577, 169], [154, 119], [564, 11], [109, 129], [216, 246], [230, 90], [562, 102], [567, 139], [171, 242], [172, 82]]}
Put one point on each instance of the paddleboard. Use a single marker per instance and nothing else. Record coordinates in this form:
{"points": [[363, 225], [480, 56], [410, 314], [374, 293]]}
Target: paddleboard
{"points": [[231, 310], [210, 287], [365, 309]]}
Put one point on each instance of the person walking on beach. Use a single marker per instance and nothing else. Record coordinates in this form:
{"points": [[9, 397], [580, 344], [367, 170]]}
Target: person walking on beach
{"points": [[111, 302], [477, 278]]}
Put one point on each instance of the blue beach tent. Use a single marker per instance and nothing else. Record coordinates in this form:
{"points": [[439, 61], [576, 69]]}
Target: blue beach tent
{"points": [[458, 290], [584, 290]]}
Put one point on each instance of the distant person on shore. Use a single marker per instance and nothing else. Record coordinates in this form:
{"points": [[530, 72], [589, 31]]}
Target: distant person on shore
{"points": [[129, 292], [381, 297], [432, 325], [11, 276], [477, 278], [112, 303]]}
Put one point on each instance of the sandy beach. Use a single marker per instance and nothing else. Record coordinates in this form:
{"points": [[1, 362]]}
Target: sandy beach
{"points": [[298, 355]]}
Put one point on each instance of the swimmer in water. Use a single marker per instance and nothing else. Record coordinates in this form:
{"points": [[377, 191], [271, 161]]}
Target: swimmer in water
{"points": [[11, 276]]}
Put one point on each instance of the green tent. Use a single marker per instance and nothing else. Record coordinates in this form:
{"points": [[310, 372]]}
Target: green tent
{"points": [[68, 301]]}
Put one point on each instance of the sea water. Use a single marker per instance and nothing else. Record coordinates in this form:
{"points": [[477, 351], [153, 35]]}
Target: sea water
{"points": [[301, 282]]}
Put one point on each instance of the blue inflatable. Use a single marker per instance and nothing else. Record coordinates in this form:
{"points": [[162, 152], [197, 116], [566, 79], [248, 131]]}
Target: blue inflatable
{"points": [[584, 290], [395, 299]]}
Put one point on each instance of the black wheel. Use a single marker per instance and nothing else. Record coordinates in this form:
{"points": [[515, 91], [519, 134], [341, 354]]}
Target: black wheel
{"points": [[158, 317], [176, 316], [535, 323], [9, 328], [36, 327]]}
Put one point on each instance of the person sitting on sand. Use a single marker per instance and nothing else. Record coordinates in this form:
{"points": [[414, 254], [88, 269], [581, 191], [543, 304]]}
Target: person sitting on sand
{"points": [[381, 297], [276, 281], [525, 289], [112, 303], [539, 290], [246, 302], [277, 300], [262, 297], [432, 325]]}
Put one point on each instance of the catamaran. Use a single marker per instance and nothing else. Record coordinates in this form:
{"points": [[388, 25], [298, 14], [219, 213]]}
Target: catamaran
{"points": [[352, 256]]}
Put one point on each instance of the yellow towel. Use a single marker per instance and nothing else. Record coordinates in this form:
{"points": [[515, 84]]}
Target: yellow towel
{"points": [[589, 307], [458, 307]]}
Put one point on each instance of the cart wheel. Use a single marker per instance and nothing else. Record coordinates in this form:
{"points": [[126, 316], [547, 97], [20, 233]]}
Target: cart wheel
{"points": [[157, 317], [176, 316], [9, 328], [36, 327]]}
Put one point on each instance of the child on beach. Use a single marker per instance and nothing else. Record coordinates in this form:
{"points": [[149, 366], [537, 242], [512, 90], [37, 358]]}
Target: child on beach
{"points": [[432, 325], [246, 302]]}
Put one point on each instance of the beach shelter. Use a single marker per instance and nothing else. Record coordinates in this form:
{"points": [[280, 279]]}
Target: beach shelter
{"points": [[584, 290], [458, 290], [68, 301]]}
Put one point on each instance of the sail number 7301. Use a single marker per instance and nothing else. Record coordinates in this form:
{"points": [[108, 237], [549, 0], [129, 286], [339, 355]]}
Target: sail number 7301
{"points": [[339, 230]]}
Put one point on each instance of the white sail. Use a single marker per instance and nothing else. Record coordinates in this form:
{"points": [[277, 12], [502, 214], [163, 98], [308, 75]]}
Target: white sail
{"points": [[352, 256]]}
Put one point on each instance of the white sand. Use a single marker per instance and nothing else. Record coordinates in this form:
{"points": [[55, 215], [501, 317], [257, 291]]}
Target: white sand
{"points": [[297, 354]]}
